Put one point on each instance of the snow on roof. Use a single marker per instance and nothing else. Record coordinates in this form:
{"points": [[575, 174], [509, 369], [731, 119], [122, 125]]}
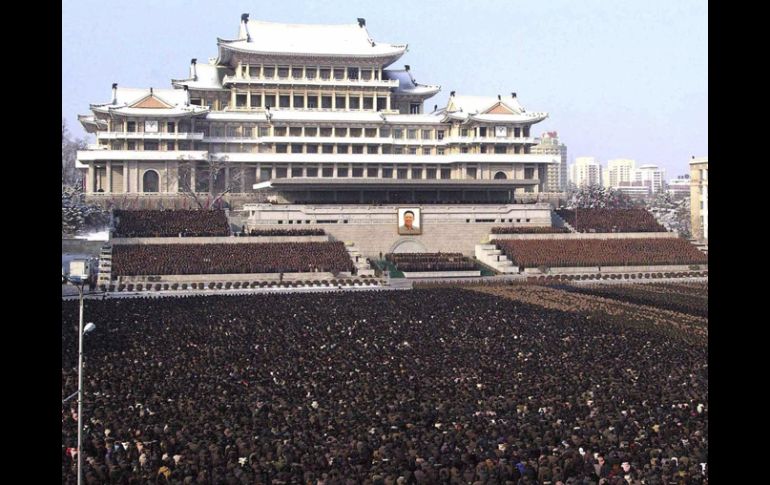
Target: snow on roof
{"points": [[344, 39], [125, 98], [209, 77], [129, 96], [407, 84], [479, 104], [503, 109], [526, 117]]}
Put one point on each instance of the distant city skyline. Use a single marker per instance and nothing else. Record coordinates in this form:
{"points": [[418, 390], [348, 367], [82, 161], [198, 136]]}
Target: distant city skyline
{"points": [[618, 79]]}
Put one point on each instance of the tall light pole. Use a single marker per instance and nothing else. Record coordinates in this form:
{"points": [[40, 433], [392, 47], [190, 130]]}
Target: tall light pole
{"points": [[78, 276]]}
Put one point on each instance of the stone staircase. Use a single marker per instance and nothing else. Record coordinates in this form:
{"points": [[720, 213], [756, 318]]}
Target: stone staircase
{"points": [[495, 259], [702, 246], [558, 221], [362, 267], [105, 265]]}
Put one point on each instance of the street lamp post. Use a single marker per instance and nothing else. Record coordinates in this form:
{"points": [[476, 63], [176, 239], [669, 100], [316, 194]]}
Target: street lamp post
{"points": [[79, 281]]}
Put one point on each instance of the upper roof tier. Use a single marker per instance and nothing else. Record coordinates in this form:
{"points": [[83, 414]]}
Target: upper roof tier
{"points": [[408, 86], [489, 109], [149, 102], [316, 40], [203, 76]]}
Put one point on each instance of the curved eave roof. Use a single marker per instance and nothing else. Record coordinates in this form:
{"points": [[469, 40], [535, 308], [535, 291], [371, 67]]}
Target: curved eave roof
{"points": [[407, 86], [522, 118], [209, 77], [151, 112], [91, 124], [384, 59], [279, 39], [494, 118]]}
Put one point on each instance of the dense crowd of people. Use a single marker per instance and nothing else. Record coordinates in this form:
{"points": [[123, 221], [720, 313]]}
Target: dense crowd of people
{"points": [[171, 223], [690, 298], [529, 230], [430, 262], [611, 220], [428, 386], [531, 253], [282, 232], [184, 259]]}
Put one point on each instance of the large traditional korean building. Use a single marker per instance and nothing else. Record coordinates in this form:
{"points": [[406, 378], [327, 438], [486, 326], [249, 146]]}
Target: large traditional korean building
{"points": [[311, 113]]}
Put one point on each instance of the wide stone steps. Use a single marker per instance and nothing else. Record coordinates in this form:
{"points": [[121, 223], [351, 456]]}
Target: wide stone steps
{"points": [[489, 255], [105, 265], [558, 221], [362, 266]]}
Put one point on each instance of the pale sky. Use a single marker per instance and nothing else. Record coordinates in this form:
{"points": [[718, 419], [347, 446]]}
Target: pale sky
{"points": [[619, 78]]}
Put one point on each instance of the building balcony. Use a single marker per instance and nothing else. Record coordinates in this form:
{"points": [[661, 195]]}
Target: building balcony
{"points": [[488, 139], [143, 155], [317, 81], [139, 135], [363, 140]]}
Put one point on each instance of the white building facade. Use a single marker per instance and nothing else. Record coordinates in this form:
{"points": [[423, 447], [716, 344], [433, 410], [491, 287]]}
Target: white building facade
{"points": [[557, 176], [586, 171], [650, 176], [619, 172], [311, 113]]}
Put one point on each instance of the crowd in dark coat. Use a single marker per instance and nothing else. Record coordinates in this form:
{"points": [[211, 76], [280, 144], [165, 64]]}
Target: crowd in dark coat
{"points": [[171, 223], [230, 258], [601, 252], [430, 261], [283, 232], [611, 220], [528, 230], [428, 386]]}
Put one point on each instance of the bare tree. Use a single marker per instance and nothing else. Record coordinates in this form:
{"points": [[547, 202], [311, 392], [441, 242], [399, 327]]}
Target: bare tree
{"points": [[69, 148], [214, 178]]}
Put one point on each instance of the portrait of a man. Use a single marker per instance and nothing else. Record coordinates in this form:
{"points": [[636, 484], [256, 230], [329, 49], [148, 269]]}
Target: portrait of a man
{"points": [[409, 221]]}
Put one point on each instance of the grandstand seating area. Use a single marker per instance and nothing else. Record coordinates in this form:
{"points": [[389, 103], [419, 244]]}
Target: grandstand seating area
{"points": [[431, 262], [171, 223], [184, 259], [284, 232], [611, 220], [529, 230], [533, 253]]}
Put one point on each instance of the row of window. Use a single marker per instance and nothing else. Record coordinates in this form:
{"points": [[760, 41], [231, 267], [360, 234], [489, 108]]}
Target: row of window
{"points": [[327, 131], [268, 172], [310, 72], [340, 148]]}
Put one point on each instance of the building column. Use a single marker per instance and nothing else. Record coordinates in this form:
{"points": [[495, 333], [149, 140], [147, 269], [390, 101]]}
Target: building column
{"points": [[90, 178], [387, 102], [125, 177], [192, 177], [166, 177], [108, 189]]}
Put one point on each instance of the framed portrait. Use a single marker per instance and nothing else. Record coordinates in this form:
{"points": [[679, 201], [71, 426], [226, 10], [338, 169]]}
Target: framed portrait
{"points": [[409, 222]]}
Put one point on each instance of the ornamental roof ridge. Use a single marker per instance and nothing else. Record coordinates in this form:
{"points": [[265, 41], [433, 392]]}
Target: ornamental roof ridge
{"points": [[315, 39]]}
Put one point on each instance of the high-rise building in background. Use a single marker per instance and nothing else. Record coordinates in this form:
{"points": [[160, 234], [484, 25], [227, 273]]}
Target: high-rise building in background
{"points": [[699, 198], [586, 171], [679, 187], [650, 176], [619, 171], [557, 176]]}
